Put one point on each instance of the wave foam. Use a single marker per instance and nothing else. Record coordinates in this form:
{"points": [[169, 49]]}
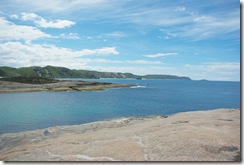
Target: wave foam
{"points": [[138, 86]]}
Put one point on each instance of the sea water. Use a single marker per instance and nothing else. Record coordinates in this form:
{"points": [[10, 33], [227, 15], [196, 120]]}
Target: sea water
{"points": [[37, 110]]}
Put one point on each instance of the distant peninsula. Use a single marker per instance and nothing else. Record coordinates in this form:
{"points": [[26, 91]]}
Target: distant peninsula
{"points": [[62, 72]]}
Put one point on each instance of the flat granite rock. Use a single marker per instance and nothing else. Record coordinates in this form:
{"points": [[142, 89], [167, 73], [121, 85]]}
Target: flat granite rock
{"points": [[59, 86], [212, 135]]}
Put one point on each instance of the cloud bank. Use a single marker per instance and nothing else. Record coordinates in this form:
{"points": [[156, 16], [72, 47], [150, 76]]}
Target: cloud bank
{"points": [[43, 23], [17, 54], [11, 31], [160, 55]]}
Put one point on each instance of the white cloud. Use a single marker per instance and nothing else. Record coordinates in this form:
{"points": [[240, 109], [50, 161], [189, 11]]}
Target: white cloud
{"points": [[180, 8], [11, 31], [215, 71], [201, 27], [167, 37], [212, 66], [54, 24], [41, 22], [54, 6], [69, 36], [101, 51], [125, 62], [105, 61], [222, 71], [216, 66], [116, 34], [160, 55], [105, 36], [126, 11], [222, 21], [16, 54], [143, 62], [14, 16], [29, 16], [137, 69]]}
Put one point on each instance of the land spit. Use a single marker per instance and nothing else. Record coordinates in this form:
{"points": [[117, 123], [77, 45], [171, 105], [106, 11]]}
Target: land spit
{"points": [[212, 135], [6, 86]]}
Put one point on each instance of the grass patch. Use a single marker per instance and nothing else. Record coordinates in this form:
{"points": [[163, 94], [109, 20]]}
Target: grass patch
{"points": [[30, 80]]}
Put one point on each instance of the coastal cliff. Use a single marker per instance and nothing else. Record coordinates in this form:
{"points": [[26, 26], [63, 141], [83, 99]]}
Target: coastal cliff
{"points": [[62, 72], [212, 135]]}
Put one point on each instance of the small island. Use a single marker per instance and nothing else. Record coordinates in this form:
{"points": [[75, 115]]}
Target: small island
{"points": [[35, 83]]}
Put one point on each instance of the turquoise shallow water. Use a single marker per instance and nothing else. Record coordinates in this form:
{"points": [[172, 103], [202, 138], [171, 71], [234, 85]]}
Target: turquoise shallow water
{"points": [[35, 110]]}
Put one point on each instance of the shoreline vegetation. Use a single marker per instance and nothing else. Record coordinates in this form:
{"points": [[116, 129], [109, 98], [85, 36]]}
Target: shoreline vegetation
{"points": [[34, 84], [212, 135], [62, 72]]}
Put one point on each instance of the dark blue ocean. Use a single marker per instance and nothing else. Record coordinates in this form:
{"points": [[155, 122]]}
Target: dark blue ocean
{"points": [[36, 110]]}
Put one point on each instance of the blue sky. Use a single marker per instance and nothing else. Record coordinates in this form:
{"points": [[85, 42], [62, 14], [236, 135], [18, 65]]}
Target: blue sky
{"points": [[199, 39]]}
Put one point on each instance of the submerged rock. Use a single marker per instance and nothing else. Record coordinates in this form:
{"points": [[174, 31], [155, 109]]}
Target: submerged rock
{"points": [[46, 132]]}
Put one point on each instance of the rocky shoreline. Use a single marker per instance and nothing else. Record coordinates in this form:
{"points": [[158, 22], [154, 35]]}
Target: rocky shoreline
{"points": [[212, 135], [6, 86]]}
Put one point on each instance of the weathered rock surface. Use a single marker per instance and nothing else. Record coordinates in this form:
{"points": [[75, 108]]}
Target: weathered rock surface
{"points": [[191, 136]]}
